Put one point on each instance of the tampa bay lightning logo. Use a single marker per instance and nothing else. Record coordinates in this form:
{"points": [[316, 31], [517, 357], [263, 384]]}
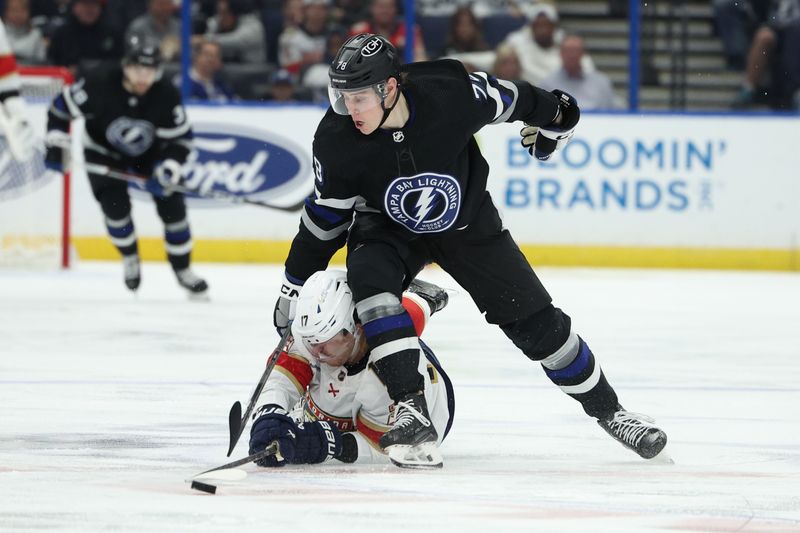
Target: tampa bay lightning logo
{"points": [[130, 136], [425, 203]]}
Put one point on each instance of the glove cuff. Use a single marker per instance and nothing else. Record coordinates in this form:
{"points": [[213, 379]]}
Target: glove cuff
{"points": [[326, 436], [291, 286]]}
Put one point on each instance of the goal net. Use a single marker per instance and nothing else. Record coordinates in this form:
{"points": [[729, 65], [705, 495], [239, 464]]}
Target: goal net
{"points": [[34, 202]]}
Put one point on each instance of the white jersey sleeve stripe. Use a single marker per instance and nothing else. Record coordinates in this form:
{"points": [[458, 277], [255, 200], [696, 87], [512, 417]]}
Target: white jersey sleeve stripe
{"points": [[318, 232], [507, 113]]}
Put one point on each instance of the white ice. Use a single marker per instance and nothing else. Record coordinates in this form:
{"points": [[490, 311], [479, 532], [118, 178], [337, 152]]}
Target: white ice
{"points": [[109, 402]]}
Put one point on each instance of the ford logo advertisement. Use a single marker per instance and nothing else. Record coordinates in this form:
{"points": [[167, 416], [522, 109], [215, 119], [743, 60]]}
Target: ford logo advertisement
{"points": [[247, 162]]}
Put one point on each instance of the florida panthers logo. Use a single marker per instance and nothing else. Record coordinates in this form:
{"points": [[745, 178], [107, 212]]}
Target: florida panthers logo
{"points": [[425, 203], [129, 136]]}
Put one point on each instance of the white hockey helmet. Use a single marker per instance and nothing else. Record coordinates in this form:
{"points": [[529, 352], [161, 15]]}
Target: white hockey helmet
{"points": [[324, 308]]}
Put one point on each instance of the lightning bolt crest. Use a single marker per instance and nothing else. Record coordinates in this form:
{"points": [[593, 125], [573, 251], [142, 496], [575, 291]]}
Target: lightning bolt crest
{"points": [[424, 204]]}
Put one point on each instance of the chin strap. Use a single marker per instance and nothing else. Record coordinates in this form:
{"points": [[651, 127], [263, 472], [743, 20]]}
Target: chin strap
{"points": [[387, 112]]}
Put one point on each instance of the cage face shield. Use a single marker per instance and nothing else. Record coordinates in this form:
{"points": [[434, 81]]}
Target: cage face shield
{"points": [[357, 101]]}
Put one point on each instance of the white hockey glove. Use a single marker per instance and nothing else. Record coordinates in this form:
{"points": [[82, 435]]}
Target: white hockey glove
{"points": [[15, 127], [286, 305], [57, 145], [544, 141], [169, 173]]}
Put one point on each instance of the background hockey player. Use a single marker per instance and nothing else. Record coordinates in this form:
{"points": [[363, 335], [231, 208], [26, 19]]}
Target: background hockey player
{"points": [[14, 125], [401, 180], [134, 121], [327, 377]]}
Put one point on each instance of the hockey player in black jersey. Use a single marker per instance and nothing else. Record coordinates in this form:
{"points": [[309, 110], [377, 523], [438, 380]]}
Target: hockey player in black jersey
{"points": [[135, 121], [400, 179]]}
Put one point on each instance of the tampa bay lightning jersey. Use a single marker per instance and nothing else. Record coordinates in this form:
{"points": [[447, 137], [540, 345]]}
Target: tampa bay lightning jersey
{"points": [[134, 131], [428, 177]]}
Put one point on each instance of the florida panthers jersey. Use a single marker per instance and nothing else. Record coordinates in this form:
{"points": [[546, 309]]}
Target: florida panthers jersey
{"points": [[352, 397], [9, 80], [134, 131], [428, 177]]}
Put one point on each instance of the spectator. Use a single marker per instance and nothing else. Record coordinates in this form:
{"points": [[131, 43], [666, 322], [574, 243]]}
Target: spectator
{"points": [[592, 89], [26, 42], [465, 34], [345, 13], [537, 45], [481, 8], [84, 36], [120, 13], [282, 87], [158, 25], [315, 78], [205, 82], [383, 20], [239, 32], [735, 22], [774, 51], [49, 15], [304, 45], [506, 64]]}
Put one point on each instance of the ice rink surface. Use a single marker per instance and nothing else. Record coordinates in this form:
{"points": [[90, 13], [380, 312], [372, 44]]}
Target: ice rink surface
{"points": [[109, 402]]}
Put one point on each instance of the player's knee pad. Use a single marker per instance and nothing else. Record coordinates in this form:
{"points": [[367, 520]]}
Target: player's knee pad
{"points": [[541, 334]]}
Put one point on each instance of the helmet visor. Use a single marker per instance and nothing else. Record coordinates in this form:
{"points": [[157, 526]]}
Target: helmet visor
{"points": [[356, 101]]}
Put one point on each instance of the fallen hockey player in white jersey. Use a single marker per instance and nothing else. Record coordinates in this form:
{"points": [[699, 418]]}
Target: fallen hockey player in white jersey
{"points": [[14, 124], [324, 400]]}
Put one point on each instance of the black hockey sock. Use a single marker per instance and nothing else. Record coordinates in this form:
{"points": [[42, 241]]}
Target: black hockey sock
{"points": [[399, 373]]}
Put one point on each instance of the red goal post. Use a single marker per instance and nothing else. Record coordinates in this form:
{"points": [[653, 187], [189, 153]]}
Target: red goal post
{"points": [[32, 235]]}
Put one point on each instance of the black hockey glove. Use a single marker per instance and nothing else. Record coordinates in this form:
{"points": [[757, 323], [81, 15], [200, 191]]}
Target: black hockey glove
{"points": [[285, 306], [54, 158], [307, 443], [544, 141]]}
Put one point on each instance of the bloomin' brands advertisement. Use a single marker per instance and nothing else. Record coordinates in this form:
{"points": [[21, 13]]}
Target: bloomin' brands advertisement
{"points": [[724, 187], [652, 180]]}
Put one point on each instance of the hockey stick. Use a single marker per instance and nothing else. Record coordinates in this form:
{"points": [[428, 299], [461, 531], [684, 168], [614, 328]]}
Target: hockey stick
{"points": [[236, 422], [272, 449], [108, 172]]}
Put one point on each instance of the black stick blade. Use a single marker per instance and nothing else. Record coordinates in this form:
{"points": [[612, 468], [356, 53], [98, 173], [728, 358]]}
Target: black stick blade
{"points": [[205, 487], [234, 425]]}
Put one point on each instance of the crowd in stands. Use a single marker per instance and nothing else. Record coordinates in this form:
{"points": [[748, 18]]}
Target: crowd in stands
{"points": [[761, 39], [281, 49]]}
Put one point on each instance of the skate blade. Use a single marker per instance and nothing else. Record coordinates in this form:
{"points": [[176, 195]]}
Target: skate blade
{"points": [[422, 456], [663, 457]]}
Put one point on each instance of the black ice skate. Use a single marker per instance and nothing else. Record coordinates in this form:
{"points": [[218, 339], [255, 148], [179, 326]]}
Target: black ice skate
{"points": [[635, 431], [190, 281], [131, 271], [412, 423], [436, 296], [411, 442]]}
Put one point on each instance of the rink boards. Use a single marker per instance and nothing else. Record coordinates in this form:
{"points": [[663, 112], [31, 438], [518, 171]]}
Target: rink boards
{"points": [[630, 190]]}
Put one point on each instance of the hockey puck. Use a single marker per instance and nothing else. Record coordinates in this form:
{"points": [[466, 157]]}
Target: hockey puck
{"points": [[205, 487]]}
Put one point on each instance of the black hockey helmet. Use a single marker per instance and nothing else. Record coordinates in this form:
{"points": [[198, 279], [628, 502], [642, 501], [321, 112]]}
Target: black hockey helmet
{"points": [[140, 51], [363, 61]]}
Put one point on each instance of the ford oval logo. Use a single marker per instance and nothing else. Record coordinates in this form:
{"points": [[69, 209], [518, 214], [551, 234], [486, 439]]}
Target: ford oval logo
{"points": [[249, 162]]}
